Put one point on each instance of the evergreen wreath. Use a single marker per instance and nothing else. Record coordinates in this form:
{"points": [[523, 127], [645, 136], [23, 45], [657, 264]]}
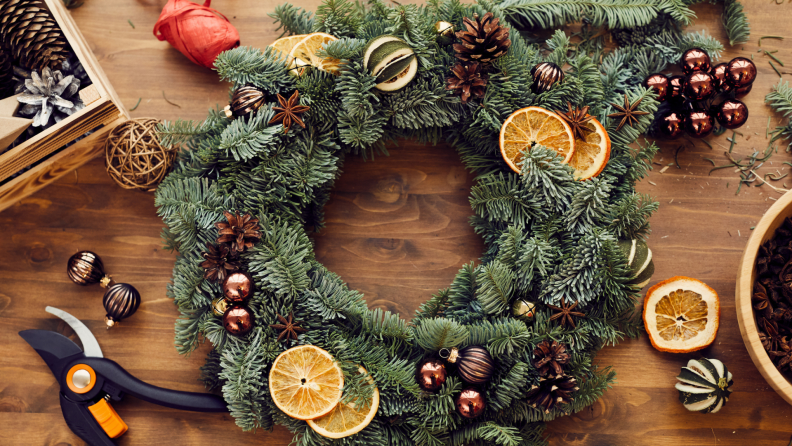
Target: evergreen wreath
{"points": [[549, 238]]}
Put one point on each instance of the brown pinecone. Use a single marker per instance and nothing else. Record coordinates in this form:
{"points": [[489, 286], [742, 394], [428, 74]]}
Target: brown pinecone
{"points": [[31, 34], [220, 261], [240, 231], [555, 389], [483, 41], [468, 80], [6, 75], [550, 357]]}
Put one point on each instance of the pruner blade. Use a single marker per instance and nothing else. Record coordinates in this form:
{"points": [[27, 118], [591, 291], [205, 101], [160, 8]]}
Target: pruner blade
{"points": [[90, 345]]}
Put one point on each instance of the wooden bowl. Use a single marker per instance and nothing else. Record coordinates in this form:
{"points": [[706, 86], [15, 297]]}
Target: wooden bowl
{"points": [[763, 231]]}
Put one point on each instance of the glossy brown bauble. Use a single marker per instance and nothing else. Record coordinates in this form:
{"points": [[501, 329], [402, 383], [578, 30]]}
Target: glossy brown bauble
{"points": [[718, 73], [699, 124], [740, 72], [244, 101], [659, 83], [695, 59], [474, 364], [238, 287], [545, 75], [672, 126], [85, 268], [470, 403], [731, 113], [238, 320], [742, 91], [120, 301], [699, 86], [431, 374], [675, 90]]}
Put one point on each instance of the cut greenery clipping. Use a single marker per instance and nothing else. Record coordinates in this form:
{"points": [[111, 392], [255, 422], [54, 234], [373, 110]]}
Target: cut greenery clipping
{"points": [[549, 239]]}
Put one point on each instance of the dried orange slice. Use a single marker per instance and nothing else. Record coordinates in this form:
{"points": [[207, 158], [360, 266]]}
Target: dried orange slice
{"points": [[592, 154], [346, 418], [534, 125], [306, 53], [681, 315], [285, 44], [305, 382]]}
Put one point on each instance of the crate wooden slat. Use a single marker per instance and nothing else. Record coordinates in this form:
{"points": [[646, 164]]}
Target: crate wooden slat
{"points": [[48, 152]]}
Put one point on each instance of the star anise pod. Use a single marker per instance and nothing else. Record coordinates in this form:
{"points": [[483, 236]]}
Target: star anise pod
{"points": [[468, 80], [628, 113], [241, 231], [565, 314], [289, 111], [288, 327], [762, 304], [784, 352], [550, 356], [219, 261], [782, 314], [577, 120], [772, 337]]}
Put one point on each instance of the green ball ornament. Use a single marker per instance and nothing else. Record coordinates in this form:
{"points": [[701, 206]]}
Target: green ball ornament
{"points": [[523, 310], [639, 259], [445, 32]]}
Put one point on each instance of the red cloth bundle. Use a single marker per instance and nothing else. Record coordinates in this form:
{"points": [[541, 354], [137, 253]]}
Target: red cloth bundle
{"points": [[198, 32]]}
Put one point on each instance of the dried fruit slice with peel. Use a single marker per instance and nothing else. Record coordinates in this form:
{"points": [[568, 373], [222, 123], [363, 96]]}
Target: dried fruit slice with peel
{"points": [[306, 53], [592, 154], [305, 382], [681, 315], [285, 44], [347, 418], [534, 125]]}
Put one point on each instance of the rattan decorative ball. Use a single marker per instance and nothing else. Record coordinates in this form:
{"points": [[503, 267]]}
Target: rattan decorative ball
{"points": [[134, 157]]}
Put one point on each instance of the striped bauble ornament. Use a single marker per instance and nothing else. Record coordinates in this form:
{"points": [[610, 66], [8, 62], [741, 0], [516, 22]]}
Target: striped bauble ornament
{"points": [[474, 364]]}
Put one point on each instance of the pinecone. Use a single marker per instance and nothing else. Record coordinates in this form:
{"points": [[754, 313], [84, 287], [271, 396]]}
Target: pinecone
{"points": [[555, 389], [49, 95], [550, 356], [468, 80], [220, 260], [483, 41], [240, 231], [29, 31], [6, 75]]}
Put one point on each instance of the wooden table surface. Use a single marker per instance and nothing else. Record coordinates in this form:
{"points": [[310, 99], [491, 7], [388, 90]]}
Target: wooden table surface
{"points": [[396, 230]]}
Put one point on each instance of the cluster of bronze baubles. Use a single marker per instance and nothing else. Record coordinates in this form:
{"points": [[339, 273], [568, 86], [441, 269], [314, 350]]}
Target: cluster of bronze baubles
{"points": [[691, 96], [222, 263], [474, 366], [120, 300]]}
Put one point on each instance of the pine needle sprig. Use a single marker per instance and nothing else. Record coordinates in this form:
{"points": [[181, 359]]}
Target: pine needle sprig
{"points": [[738, 29]]}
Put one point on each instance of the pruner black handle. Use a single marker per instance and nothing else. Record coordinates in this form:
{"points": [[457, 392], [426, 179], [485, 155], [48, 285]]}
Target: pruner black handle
{"points": [[82, 423], [120, 378]]}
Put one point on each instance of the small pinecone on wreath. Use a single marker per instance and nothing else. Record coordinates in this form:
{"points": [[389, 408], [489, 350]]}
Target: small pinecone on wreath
{"points": [[550, 357], [484, 40], [467, 81], [552, 390], [50, 95], [31, 34]]}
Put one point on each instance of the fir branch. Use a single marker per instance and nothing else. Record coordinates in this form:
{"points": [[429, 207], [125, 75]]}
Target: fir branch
{"points": [[738, 29], [435, 334], [292, 20], [780, 98]]}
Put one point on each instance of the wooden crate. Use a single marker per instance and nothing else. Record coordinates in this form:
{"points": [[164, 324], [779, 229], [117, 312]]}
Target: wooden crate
{"points": [[50, 153]]}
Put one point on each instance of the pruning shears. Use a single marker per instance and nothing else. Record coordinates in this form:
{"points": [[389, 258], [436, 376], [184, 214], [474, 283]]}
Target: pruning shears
{"points": [[88, 382]]}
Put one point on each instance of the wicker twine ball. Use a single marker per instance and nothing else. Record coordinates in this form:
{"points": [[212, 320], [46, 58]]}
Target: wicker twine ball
{"points": [[134, 157]]}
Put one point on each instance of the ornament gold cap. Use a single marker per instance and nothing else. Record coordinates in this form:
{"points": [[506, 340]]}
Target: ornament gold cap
{"points": [[451, 355], [227, 111], [110, 322]]}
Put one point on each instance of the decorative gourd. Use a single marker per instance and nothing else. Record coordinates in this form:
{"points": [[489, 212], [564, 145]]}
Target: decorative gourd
{"points": [[704, 385], [639, 259]]}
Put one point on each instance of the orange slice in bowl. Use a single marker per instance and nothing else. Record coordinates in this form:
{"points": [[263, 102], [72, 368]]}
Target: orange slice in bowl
{"points": [[592, 154], [681, 315], [534, 125], [305, 382]]}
